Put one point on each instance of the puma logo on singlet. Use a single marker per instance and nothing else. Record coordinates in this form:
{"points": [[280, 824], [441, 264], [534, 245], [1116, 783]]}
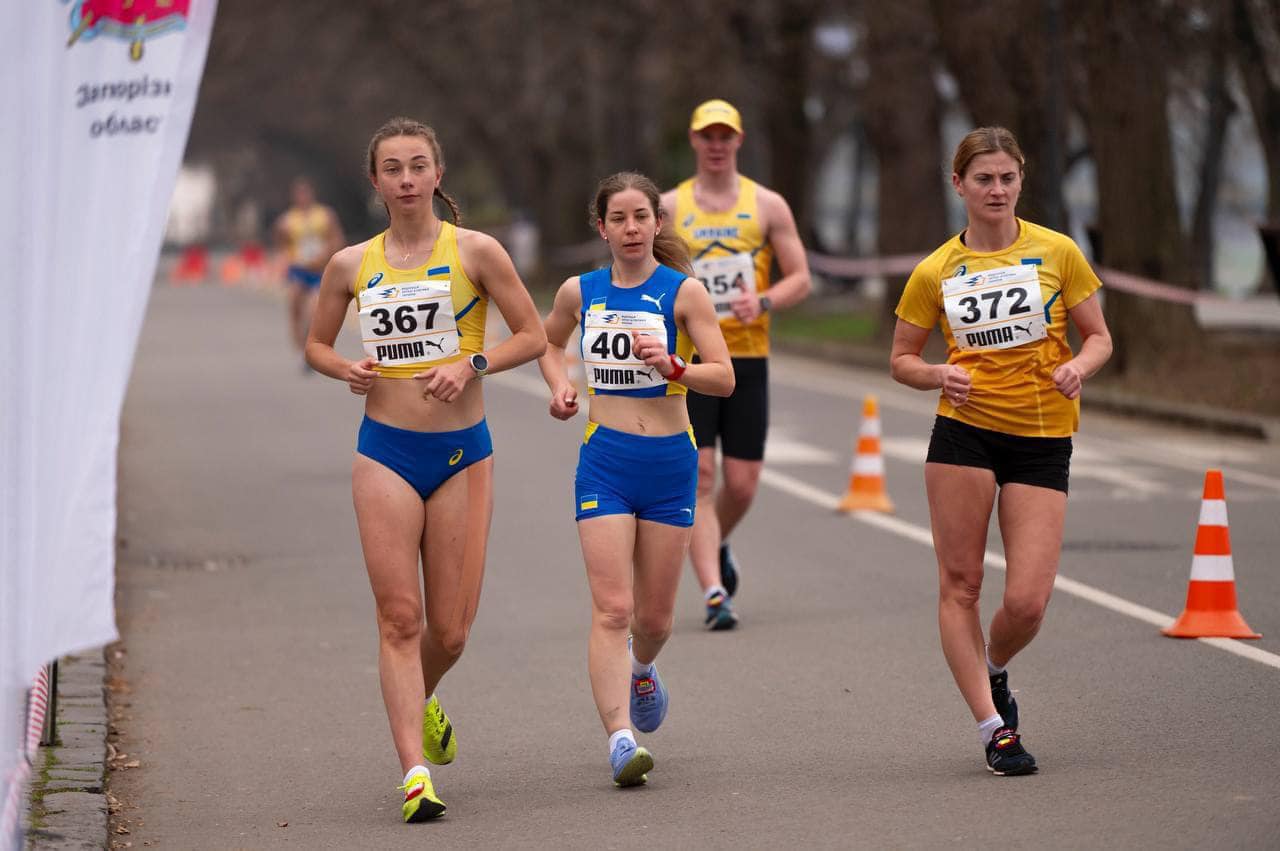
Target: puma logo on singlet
{"points": [[657, 301]]}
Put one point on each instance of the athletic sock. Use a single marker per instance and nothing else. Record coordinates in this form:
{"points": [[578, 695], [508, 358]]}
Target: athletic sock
{"points": [[988, 728], [417, 769], [992, 667], [714, 590], [638, 668], [619, 736]]}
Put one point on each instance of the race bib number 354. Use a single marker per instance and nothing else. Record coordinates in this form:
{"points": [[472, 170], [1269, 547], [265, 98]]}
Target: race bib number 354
{"points": [[996, 309], [726, 278], [607, 353], [408, 323]]}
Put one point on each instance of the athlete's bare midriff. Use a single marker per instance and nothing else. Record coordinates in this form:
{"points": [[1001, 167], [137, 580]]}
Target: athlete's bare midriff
{"points": [[398, 402], [651, 417]]}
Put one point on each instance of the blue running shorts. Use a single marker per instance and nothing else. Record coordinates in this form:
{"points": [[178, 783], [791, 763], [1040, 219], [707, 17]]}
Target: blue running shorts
{"points": [[304, 276], [424, 459], [651, 478]]}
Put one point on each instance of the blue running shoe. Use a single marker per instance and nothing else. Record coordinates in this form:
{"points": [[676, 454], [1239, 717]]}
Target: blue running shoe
{"points": [[630, 763], [728, 569], [720, 613], [648, 701]]}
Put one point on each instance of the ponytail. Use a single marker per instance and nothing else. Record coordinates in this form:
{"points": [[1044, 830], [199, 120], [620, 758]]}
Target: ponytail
{"points": [[451, 204], [670, 249]]}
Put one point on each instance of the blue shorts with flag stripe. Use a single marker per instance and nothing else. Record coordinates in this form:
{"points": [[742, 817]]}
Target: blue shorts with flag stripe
{"points": [[650, 478]]}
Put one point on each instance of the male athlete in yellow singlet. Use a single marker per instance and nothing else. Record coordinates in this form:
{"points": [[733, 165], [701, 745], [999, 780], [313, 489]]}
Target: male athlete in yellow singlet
{"points": [[735, 228]]}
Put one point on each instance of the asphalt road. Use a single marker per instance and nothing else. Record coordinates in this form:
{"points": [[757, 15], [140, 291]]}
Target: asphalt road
{"points": [[827, 720]]}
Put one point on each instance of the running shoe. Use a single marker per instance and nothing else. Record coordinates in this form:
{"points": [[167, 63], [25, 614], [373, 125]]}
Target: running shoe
{"points": [[720, 613], [1003, 699], [438, 743], [728, 569], [1006, 756], [420, 801], [629, 762], [648, 701]]}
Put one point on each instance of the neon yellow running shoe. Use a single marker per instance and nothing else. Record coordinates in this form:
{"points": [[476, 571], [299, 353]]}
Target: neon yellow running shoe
{"points": [[438, 743], [420, 801]]}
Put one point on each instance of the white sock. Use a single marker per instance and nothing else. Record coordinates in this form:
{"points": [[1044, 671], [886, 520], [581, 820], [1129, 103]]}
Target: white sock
{"points": [[992, 668], [417, 769], [988, 728], [714, 590], [638, 668], [617, 737]]}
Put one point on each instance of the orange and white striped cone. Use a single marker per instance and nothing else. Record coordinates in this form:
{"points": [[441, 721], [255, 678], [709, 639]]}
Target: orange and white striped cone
{"points": [[866, 476], [1211, 594]]}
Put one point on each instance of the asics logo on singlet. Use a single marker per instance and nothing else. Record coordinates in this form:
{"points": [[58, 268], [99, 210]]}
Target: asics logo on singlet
{"points": [[960, 270], [657, 301], [373, 282], [688, 220], [715, 233]]}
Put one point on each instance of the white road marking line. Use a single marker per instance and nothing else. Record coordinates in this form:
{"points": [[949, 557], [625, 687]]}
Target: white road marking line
{"points": [[919, 534], [1075, 588]]}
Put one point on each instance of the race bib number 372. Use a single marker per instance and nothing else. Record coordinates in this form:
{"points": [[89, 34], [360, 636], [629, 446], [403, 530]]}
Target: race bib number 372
{"points": [[996, 309], [408, 323]]}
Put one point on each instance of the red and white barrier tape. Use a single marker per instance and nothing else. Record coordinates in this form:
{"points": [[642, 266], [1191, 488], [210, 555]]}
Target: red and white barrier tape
{"points": [[37, 707], [16, 782]]}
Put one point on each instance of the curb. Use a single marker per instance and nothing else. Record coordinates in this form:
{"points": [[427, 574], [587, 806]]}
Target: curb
{"points": [[1098, 398], [67, 802]]}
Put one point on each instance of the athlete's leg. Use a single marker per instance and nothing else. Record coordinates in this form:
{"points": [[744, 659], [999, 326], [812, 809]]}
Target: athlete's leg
{"points": [[659, 554], [1031, 521], [608, 545], [704, 547], [741, 481], [389, 514], [960, 503], [297, 297], [454, 543]]}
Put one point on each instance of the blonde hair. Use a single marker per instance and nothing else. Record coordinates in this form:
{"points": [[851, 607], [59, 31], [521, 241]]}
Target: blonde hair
{"points": [[986, 140], [401, 126], [668, 248]]}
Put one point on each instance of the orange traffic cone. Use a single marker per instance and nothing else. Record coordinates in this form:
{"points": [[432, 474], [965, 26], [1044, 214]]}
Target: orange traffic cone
{"points": [[1211, 593], [866, 477]]}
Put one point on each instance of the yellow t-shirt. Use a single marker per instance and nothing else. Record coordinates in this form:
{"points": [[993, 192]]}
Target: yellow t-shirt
{"points": [[463, 331], [1013, 390], [306, 235], [737, 231]]}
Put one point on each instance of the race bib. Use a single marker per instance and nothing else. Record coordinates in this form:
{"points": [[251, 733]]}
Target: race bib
{"points": [[996, 309], [726, 278], [408, 323], [606, 349], [310, 249]]}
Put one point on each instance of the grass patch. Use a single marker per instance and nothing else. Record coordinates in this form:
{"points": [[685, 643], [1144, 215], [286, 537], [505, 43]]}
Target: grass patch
{"points": [[834, 326]]}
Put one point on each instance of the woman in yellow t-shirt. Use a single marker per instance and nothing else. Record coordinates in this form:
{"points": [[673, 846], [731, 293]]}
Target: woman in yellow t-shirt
{"points": [[1002, 290], [422, 477]]}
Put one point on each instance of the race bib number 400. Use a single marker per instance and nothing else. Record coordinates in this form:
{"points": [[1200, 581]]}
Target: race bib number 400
{"points": [[996, 309], [408, 323], [726, 278], [606, 349]]}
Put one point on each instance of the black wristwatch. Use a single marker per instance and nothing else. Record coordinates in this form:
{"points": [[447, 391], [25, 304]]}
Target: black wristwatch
{"points": [[479, 363], [765, 303]]}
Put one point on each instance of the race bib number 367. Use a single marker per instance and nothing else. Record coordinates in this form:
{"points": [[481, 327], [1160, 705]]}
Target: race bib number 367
{"points": [[726, 278], [996, 309], [607, 353], [408, 323]]}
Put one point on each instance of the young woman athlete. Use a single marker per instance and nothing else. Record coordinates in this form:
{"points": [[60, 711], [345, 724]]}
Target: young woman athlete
{"points": [[635, 488], [307, 234], [1003, 290], [422, 479]]}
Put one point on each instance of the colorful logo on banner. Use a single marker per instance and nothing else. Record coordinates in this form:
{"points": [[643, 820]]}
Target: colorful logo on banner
{"points": [[133, 21]]}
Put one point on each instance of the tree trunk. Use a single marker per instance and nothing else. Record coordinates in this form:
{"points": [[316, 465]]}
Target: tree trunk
{"points": [[1257, 30], [906, 140], [1125, 58], [1220, 109]]}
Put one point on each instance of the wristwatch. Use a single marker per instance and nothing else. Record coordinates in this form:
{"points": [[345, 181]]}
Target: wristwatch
{"points": [[479, 363], [765, 303], [678, 366]]}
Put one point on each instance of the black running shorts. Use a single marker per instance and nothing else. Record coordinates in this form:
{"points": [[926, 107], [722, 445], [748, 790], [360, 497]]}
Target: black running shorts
{"points": [[1041, 461], [740, 421]]}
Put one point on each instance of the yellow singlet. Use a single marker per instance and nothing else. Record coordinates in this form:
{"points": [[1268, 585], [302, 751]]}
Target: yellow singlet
{"points": [[718, 236], [378, 277], [306, 233], [1013, 390]]}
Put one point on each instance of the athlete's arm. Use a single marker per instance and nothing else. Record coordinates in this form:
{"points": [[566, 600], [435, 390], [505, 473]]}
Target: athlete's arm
{"points": [[781, 233], [1095, 347], [697, 316], [331, 310], [907, 367], [335, 237], [487, 264], [559, 326]]}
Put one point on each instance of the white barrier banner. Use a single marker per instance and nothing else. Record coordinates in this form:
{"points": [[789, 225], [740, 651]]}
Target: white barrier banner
{"points": [[98, 102]]}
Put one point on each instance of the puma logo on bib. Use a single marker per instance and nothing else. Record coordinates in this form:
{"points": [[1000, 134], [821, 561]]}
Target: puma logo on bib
{"points": [[996, 309]]}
